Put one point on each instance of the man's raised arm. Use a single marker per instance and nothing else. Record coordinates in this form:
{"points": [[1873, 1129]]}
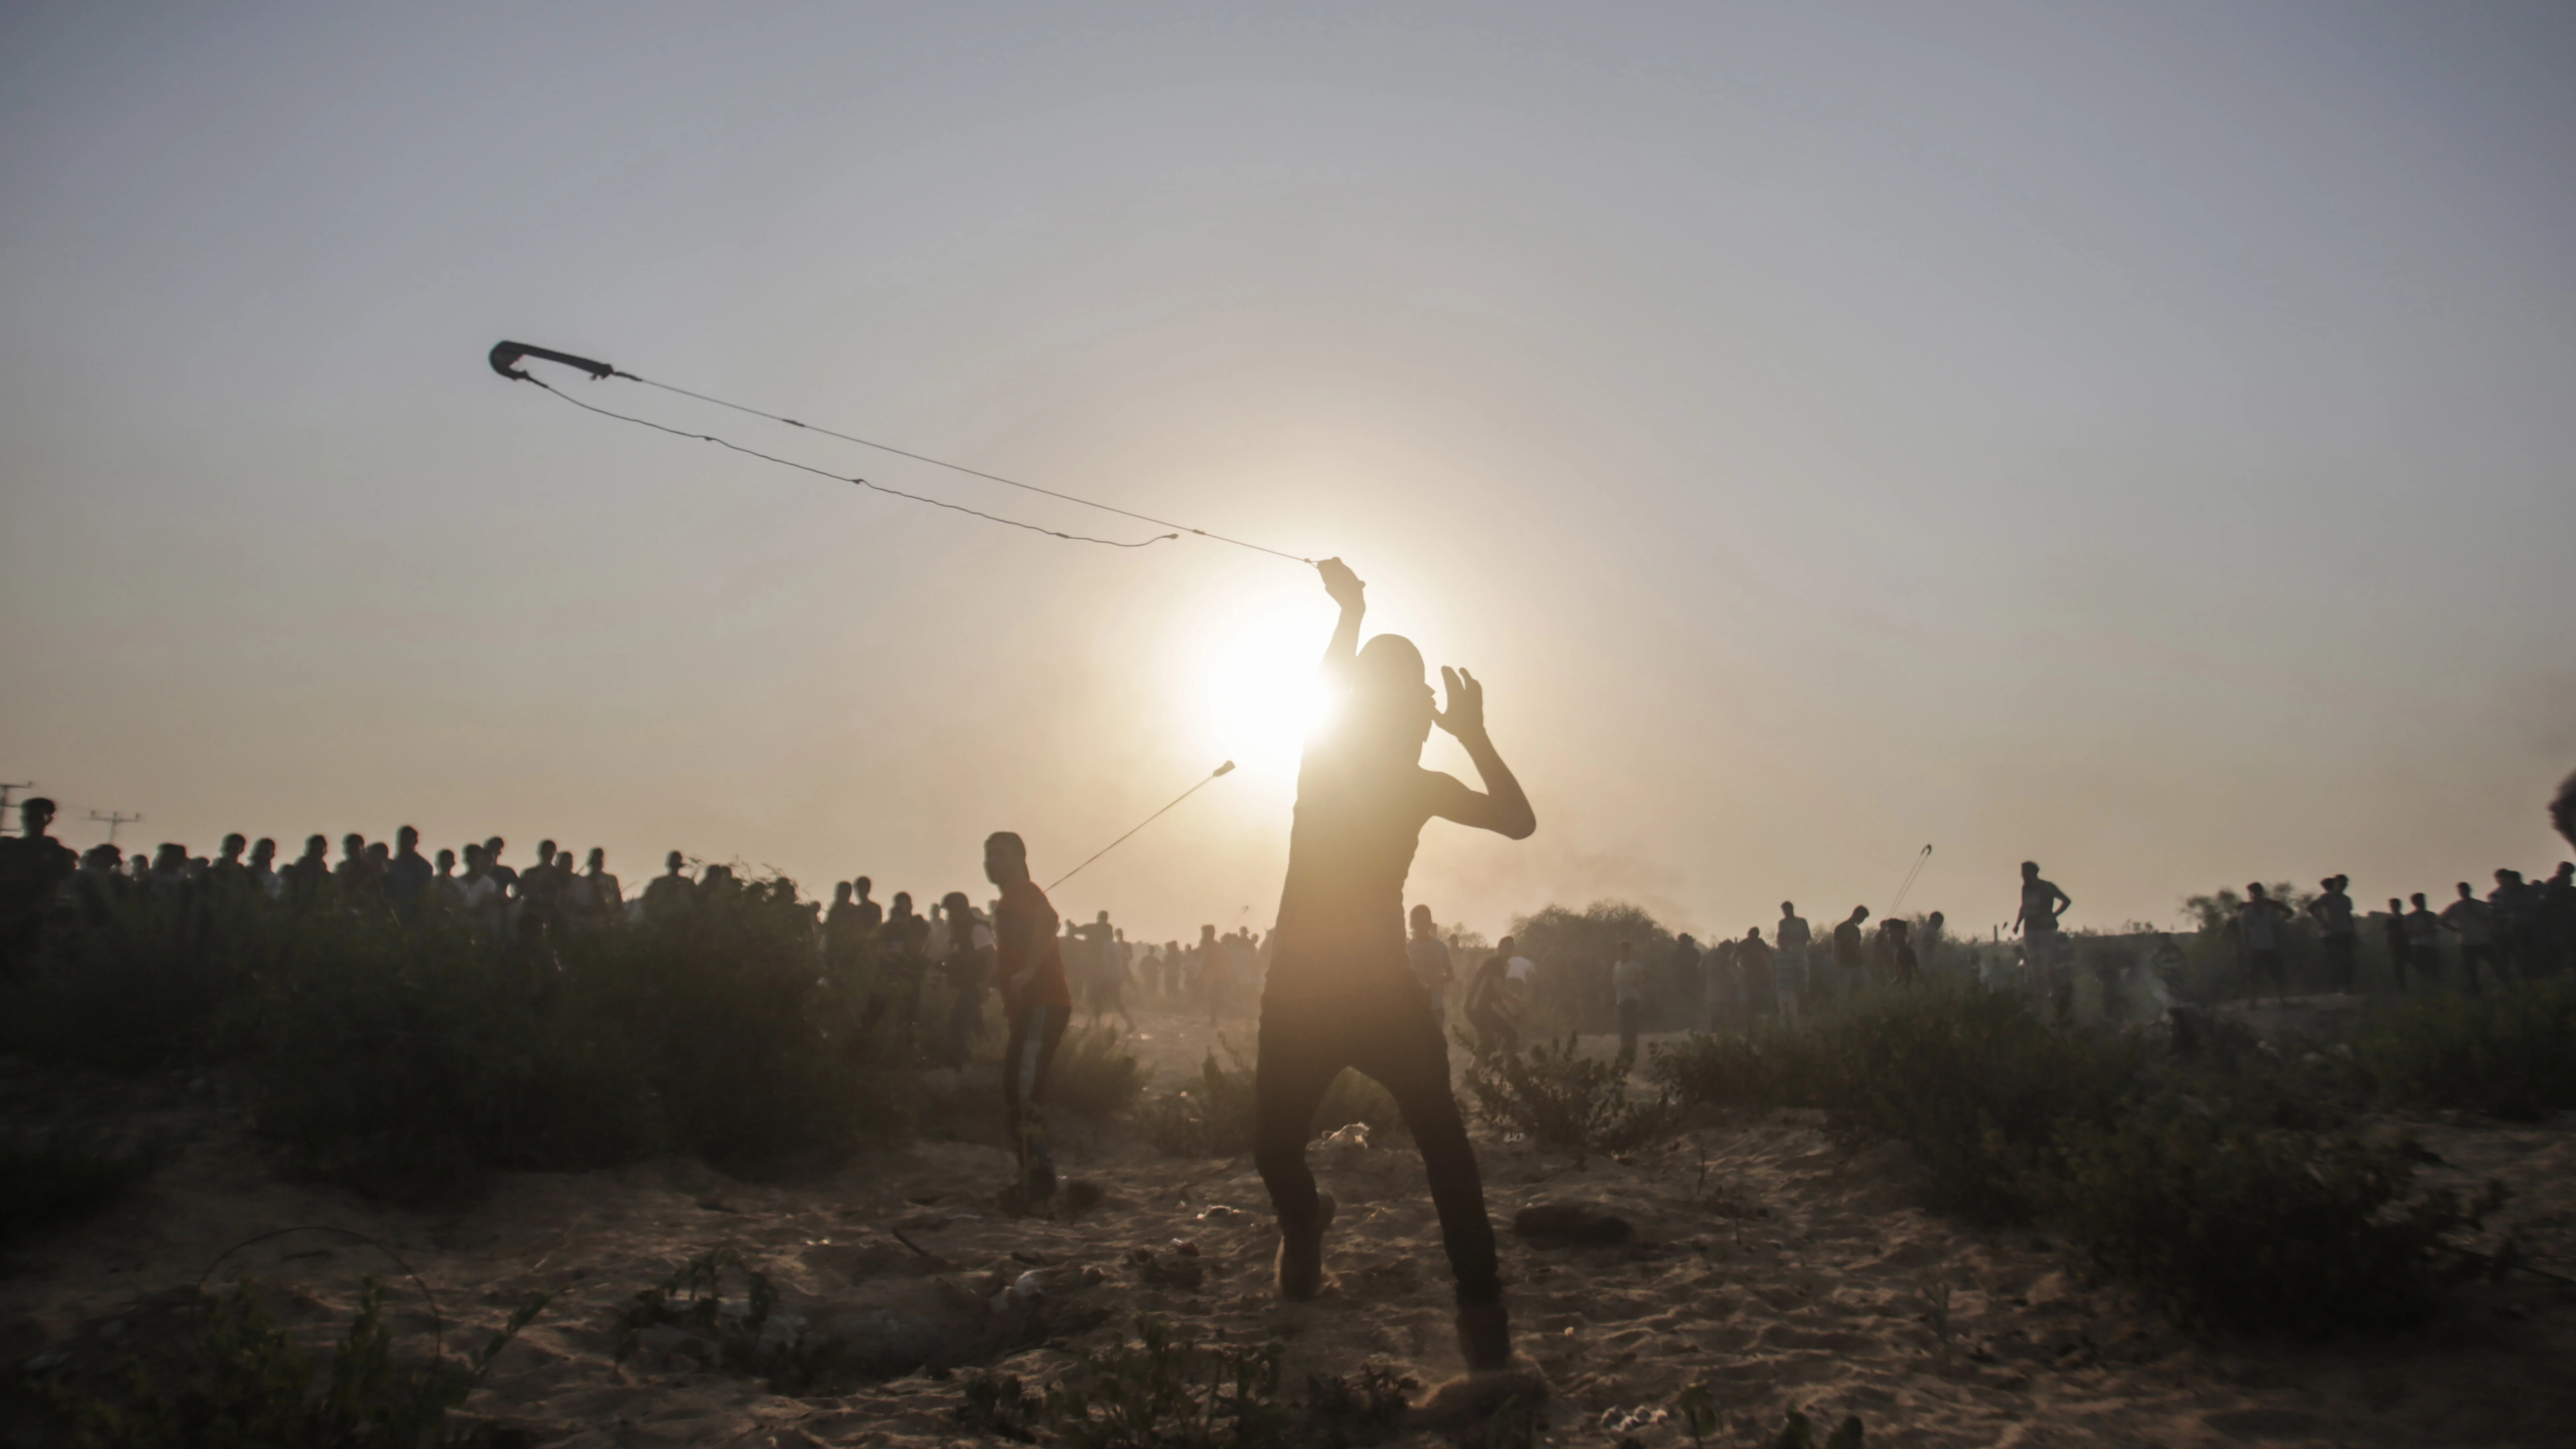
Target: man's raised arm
{"points": [[1350, 593], [1503, 809]]}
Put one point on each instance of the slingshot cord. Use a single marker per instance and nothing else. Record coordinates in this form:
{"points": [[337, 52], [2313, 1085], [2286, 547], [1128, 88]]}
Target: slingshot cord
{"points": [[839, 478]]}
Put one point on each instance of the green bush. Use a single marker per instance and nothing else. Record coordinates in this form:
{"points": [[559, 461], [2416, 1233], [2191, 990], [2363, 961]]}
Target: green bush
{"points": [[51, 1176], [2244, 1225], [253, 1385], [1561, 1098], [407, 1061], [1971, 1079], [2510, 1054]]}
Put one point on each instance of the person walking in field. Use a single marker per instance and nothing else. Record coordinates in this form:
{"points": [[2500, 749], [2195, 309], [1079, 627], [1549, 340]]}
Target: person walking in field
{"points": [[1489, 1005], [2393, 935], [2043, 945], [1340, 991], [2424, 940], [1028, 972], [1787, 956]]}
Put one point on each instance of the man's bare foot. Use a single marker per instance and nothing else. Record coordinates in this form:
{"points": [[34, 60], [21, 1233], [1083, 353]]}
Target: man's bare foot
{"points": [[1301, 1255], [1485, 1338]]}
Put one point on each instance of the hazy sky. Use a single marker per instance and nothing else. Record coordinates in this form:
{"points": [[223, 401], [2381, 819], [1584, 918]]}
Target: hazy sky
{"points": [[2134, 437]]}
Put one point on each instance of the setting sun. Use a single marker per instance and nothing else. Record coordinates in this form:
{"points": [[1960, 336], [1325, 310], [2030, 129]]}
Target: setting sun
{"points": [[1249, 681]]}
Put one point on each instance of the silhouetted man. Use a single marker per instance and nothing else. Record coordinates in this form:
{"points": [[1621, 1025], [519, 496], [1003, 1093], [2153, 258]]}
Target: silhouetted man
{"points": [[408, 874], [1028, 971], [2562, 810], [2042, 945], [964, 949], [2392, 928], [1488, 1004], [2259, 921], [870, 914], [1103, 978], [597, 898], [502, 876], [1340, 992], [33, 867], [2333, 911], [1789, 962], [2473, 921], [669, 893], [2424, 940], [2517, 924], [310, 873], [263, 868], [1760, 970], [1901, 958], [1847, 949], [1929, 946]]}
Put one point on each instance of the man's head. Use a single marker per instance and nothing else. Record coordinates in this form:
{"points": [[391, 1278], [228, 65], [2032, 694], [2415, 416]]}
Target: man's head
{"points": [[446, 860], [1753, 934], [378, 852], [673, 862], [353, 845], [1859, 914], [408, 839], [35, 814], [598, 858], [316, 846], [2466, 893], [1390, 706], [545, 852], [473, 859], [902, 904], [1006, 860], [1207, 933], [1788, 908], [492, 850], [1897, 928], [234, 845], [1626, 950], [264, 852], [2254, 890], [1102, 918], [2396, 907], [100, 859], [955, 906], [2418, 899], [1504, 946], [2030, 870], [1935, 919], [863, 885], [1420, 916], [840, 893]]}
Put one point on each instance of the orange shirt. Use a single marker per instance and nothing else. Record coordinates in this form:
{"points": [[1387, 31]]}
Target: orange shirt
{"points": [[1024, 909]]}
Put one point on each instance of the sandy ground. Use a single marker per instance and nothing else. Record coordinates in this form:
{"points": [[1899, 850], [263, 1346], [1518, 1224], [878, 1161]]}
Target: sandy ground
{"points": [[1782, 1267]]}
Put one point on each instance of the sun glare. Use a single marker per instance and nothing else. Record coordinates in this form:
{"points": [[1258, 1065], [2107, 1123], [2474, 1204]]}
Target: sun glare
{"points": [[1251, 678]]}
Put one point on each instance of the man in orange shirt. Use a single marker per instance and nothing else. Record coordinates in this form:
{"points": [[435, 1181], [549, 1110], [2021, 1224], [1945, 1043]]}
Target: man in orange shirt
{"points": [[1028, 970]]}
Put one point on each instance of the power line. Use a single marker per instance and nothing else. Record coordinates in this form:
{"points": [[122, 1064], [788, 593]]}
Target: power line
{"points": [[115, 820], [505, 354]]}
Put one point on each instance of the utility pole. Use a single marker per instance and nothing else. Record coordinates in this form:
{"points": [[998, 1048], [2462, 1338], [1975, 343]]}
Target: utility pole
{"points": [[114, 819], [7, 789]]}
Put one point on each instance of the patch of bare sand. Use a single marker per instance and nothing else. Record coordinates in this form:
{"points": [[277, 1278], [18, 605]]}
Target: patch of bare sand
{"points": [[1779, 1265]]}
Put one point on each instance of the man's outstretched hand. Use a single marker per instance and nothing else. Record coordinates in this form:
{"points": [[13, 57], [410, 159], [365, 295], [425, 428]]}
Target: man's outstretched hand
{"points": [[1465, 716], [1342, 584]]}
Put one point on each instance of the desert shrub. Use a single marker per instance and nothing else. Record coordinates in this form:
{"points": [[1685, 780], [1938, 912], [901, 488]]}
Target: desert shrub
{"points": [[145, 987], [2511, 1054], [253, 1385], [745, 1340], [2241, 1224], [1160, 1392], [1094, 1075], [1564, 1099], [51, 1176], [1212, 1119], [1974, 1081], [408, 1060]]}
